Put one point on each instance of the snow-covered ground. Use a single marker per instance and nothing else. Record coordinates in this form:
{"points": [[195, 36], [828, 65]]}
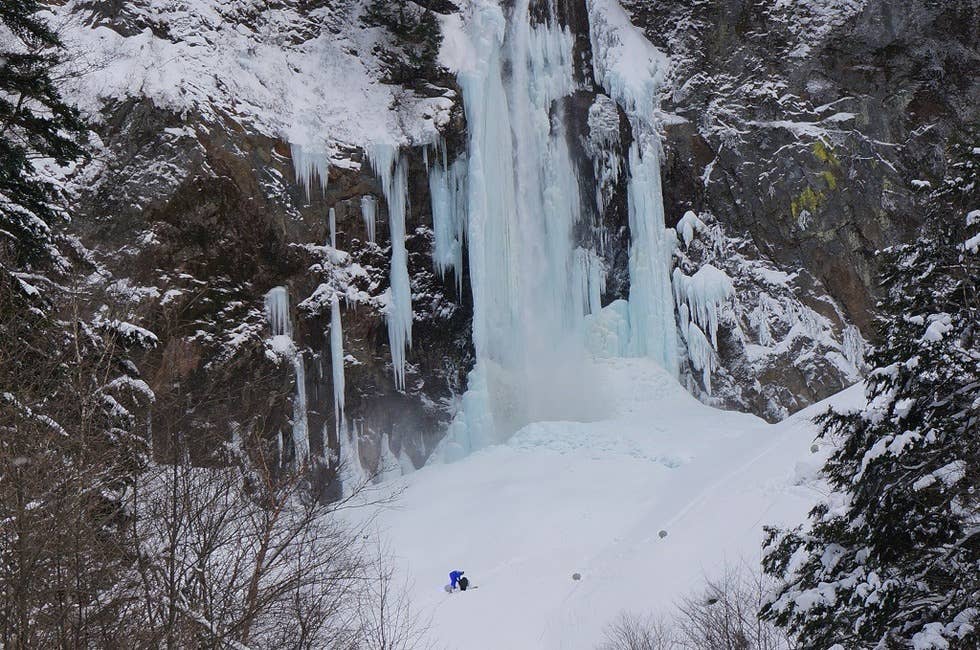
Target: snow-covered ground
{"points": [[566, 497]]}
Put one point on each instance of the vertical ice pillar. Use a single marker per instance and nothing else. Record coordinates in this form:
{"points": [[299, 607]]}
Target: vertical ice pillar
{"points": [[277, 314], [392, 168], [632, 71], [447, 188], [332, 217], [369, 210], [337, 362], [651, 304]]}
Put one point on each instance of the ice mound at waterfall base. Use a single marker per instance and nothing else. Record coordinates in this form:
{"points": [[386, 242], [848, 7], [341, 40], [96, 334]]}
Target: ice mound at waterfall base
{"points": [[591, 498]]}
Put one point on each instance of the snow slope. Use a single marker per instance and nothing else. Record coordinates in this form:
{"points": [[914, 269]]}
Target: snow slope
{"points": [[566, 497]]}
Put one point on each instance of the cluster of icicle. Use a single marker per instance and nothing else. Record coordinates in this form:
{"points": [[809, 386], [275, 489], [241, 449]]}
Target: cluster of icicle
{"points": [[699, 299]]}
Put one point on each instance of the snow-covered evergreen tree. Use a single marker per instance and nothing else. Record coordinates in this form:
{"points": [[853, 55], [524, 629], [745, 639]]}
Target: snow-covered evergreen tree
{"points": [[892, 558], [34, 124]]}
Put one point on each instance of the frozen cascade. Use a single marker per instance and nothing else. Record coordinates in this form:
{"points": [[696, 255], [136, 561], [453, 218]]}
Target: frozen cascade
{"points": [[392, 168], [277, 314], [632, 71], [447, 187], [369, 209], [309, 165], [337, 361], [522, 203], [332, 217], [651, 305]]}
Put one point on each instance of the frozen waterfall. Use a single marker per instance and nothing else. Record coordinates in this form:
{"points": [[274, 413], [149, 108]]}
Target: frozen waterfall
{"points": [[531, 286]]}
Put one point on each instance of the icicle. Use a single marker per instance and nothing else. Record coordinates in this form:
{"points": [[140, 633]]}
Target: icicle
{"points": [[337, 361], [447, 187], [701, 353], [310, 165], [388, 465], [277, 314], [854, 347], [393, 171], [301, 435], [369, 209], [277, 311], [333, 228]]}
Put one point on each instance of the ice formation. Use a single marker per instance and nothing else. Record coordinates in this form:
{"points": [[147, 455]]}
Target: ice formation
{"points": [[392, 168], [604, 138], [352, 474], [689, 226], [704, 293], [632, 70], [447, 187], [700, 298], [369, 210], [531, 287], [310, 165], [332, 217], [651, 306], [277, 314], [337, 361]]}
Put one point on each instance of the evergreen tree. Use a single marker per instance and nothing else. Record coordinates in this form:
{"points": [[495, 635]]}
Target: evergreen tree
{"points": [[892, 558], [34, 123]]}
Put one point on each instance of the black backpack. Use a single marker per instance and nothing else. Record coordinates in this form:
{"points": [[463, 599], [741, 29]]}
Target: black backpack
{"points": [[464, 582]]}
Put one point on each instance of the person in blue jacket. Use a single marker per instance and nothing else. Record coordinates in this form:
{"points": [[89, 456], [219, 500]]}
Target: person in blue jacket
{"points": [[456, 577]]}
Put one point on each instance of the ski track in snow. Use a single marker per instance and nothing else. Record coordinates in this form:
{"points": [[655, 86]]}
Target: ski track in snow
{"points": [[565, 497]]}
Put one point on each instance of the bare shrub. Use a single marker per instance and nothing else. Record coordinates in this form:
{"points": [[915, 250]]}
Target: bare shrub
{"points": [[388, 621], [724, 616], [637, 632]]}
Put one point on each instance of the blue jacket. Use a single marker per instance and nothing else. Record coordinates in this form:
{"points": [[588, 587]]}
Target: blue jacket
{"points": [[454, 577]]}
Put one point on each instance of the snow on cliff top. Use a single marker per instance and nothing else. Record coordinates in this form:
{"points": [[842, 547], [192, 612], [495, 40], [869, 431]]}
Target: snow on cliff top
{"points": [[309, 77], [591, 498]]}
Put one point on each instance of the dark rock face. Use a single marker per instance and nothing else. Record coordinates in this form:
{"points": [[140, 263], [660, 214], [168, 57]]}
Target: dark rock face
{"points": [[196, 221], [808, 130], [802, 132], [808, 122]]}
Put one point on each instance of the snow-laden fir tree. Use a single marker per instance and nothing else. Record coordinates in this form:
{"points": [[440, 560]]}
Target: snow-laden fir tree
{"points": [[892, 558]]}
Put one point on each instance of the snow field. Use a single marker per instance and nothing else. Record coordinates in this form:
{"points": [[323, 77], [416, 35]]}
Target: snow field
{"points": [[563, 497]]}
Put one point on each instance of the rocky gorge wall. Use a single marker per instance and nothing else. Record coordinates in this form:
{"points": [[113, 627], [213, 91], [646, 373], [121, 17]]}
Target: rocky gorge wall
{"points": [[799, 135]]}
